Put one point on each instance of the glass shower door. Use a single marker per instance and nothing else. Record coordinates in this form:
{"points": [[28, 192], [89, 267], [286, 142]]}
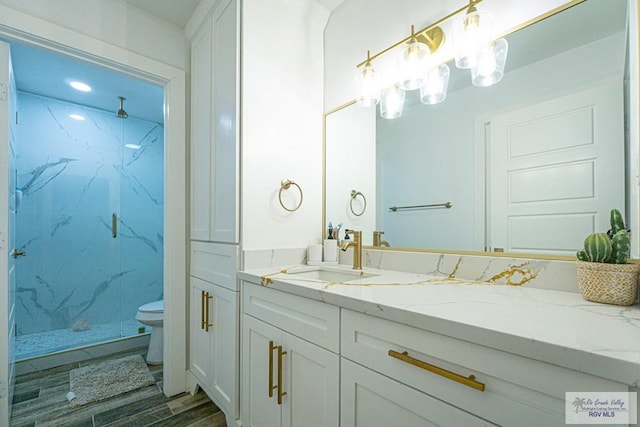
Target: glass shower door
{"points": [[69, 283], [141, 219]]}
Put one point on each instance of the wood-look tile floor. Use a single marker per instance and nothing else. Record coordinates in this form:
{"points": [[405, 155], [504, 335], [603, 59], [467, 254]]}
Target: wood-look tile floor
{"points": [[40, 400]]}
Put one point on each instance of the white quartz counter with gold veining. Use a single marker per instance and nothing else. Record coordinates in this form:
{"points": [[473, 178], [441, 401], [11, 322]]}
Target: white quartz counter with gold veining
{"points": [[551, 326]]}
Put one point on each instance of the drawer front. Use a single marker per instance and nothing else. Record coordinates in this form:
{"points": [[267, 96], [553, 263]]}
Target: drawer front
{"points": [[216, 263], [373, 400], [514, 386], [311, 320]]}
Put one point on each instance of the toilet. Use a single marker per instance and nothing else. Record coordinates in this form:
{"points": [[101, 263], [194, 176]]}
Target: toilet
{"points": [[152, 314]]}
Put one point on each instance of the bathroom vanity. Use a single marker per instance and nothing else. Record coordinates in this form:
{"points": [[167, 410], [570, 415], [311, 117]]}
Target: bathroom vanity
{"points": [[332, 346]]}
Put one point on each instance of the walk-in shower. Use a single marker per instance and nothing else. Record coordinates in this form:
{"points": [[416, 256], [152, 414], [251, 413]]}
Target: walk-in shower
{"points": [[90, 222]]}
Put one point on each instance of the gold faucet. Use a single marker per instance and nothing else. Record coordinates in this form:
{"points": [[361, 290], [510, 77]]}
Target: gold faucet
{"points": [[377, 241], [357, 248]]}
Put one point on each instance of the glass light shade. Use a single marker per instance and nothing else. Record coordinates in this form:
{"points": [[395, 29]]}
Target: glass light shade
{"points": [[434, 87], [392, 102], [470, 34], [413, 65], [489, 68], [368, 86]]}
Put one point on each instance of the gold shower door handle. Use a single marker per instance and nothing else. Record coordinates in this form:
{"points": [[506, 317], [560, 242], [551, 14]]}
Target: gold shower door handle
{"points": [[114, 225], [469, 381], [16, 253]]}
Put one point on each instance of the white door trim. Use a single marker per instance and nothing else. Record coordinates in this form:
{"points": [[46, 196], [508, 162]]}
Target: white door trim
{"points": [[20, 26]]}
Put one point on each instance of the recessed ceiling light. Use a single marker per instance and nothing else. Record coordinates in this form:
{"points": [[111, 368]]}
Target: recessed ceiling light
{"points": [[82, 87], [76, 116], [132, 146]]}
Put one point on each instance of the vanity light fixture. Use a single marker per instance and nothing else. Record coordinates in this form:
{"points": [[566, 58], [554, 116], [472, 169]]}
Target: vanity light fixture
{"points": [[434, 89], [470, 35], [474, 49], [489, 67], [414, 63], [392, 102], [368, 84]]}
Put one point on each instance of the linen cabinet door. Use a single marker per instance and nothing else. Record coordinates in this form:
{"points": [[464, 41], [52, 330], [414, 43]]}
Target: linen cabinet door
{"points": [[369, 399], [200, 338], [312, 382], [260, 343], [224, 349]]}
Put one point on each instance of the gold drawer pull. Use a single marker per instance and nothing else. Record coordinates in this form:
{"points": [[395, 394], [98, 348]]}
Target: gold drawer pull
{"points": [[469, 381]]}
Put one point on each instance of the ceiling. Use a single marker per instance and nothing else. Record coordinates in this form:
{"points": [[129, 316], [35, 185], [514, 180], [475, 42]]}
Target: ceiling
{"points": [[143, 100]]}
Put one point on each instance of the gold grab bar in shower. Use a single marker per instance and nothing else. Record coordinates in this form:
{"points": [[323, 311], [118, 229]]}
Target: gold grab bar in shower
{"points": [[114, 225]]}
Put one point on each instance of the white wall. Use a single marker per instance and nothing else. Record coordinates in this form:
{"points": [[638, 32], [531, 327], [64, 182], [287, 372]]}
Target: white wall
{"points": [[358, 25], [282, 72], [114, 22]]}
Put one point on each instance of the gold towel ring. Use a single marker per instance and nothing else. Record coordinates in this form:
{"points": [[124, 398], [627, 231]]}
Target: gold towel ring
{"points": [[285, 185], [355, 194]]}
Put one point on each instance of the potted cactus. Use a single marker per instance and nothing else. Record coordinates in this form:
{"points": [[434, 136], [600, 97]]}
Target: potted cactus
{"points": [[604, 272]]}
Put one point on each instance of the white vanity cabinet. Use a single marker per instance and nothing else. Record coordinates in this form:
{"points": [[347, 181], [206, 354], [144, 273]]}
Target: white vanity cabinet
{"points": [[290, 365], [504, 389], [214, 126]]}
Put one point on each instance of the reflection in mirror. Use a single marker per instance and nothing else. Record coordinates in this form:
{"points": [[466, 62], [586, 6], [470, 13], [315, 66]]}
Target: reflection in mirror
{"points": [[531, 165]]}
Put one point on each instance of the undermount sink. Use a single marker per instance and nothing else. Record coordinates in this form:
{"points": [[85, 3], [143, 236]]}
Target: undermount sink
{"points": [[330, 275]]}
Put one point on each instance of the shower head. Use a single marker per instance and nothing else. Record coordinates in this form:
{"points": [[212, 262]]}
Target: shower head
{"points": [[121, 113]]}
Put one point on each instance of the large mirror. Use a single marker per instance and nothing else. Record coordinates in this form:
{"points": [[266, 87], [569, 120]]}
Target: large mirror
{"points": [[531, 165]]}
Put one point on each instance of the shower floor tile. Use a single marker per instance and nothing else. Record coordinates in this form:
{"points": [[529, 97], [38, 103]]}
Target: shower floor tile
{"points": [[41, 343]]}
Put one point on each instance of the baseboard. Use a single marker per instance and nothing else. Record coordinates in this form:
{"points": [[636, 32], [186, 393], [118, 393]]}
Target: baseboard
{"points": [[80, 354]]}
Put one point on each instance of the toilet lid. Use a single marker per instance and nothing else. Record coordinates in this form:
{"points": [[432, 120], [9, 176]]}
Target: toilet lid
{"points": [[153, 307]]}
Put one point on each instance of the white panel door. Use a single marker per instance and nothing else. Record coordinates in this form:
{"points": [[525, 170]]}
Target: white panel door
{"points": [[200, 338], [201, 134], [555, 171], [7, 226], [224, 360], [311, 381], [259, 370], [225, 152]]}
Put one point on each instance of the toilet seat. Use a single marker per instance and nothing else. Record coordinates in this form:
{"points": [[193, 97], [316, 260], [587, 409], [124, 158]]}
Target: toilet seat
{"points": [[152, 312], [152, 307]]}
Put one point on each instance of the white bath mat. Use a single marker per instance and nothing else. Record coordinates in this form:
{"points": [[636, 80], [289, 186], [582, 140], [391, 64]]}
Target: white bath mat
{"points": [[107, 379]]}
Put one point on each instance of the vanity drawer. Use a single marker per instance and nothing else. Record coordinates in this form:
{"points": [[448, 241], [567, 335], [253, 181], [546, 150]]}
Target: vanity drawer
{"points": [[516, 388], [311, 320]]}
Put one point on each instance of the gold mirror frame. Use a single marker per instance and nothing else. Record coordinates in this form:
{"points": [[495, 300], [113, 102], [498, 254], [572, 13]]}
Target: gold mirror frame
{"points": [[525, 24]]}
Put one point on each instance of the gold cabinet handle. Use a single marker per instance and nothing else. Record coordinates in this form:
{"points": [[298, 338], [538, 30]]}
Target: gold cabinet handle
{"points": [[469, 381], [207, 323], [202, 321], [272, 347], [280, 392]]}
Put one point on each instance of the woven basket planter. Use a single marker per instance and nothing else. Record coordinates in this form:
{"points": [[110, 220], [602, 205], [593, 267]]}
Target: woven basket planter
{"points": [[608, 283]]}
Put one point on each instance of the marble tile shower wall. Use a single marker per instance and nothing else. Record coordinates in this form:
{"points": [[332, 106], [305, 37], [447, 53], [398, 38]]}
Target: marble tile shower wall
{"points": [[73, 176]]}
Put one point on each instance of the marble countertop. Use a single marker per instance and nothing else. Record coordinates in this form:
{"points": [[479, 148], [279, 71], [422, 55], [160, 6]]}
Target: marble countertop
{"points": [[551, 326]]}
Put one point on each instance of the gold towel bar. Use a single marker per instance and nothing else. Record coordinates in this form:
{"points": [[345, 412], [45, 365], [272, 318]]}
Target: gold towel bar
{"points": [[469, 381]]}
